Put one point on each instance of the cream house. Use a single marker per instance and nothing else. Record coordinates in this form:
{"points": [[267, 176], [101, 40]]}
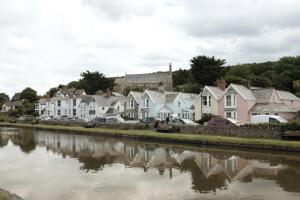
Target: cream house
{"points": [[208, 101]]}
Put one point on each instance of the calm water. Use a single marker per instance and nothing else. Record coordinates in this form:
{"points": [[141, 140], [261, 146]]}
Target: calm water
{"points": [[44, 165]]}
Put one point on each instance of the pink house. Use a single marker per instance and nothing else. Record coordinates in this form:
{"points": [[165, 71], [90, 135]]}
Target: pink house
{"points": [[241, 103], [236, 102]]}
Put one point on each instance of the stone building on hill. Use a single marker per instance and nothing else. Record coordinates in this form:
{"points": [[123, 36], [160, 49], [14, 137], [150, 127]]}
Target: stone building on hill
{"points": [[145, 81]]}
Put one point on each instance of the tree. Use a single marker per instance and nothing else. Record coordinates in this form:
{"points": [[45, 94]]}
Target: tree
{"points": [[28, 107], [94, 81], [296, 86], [16, 97], [29, 94], [74, 84], [51, 92], [181, 76], [3, 97], [206, 70]]}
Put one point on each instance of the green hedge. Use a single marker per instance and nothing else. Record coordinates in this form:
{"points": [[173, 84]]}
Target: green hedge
{"points": [[290, 126]]}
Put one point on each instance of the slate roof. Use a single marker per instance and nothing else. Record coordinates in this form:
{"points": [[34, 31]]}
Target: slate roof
{"points": [[216, 92], [263, 95], [104, 101], [12, 103], [87, 99], [170, 97], [43, 100], [189, 96], [160, 97], [272, 107], [71, 91], [155, 77], [136, 95], [286, 95], [165, 109], [117, 94], [244, 92]]}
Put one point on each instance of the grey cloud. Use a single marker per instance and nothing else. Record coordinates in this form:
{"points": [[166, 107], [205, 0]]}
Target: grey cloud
{"points": [[238, 18], [45, 43]]}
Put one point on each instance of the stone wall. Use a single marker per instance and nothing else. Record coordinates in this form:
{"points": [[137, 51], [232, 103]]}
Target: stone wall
{"points": [[244, 131], [252, 132]]}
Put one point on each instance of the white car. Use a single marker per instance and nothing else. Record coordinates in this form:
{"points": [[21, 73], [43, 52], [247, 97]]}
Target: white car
{"points": [[258, 119]]}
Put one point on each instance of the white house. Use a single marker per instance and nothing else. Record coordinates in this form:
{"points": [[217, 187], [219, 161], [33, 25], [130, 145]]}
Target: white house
{"points": [[162, 104], [92, 106]]}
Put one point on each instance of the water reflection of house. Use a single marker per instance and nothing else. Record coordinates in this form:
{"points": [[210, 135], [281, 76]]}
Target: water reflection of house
{"points": [[209, 171]]}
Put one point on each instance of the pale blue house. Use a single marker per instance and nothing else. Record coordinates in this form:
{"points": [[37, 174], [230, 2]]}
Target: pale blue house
{"points": [[162, 104]]}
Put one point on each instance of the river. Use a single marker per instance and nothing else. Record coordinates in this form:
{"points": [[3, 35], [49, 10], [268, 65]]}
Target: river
{"points": [[38, 165]]}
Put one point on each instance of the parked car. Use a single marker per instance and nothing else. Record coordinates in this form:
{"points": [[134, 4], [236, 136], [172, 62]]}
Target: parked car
{"points": [[45, 118], [25, 117], [221, 121], [114, 120], [258, 119], [148, 120], [179, 121], [99, 119], [75, 119]]}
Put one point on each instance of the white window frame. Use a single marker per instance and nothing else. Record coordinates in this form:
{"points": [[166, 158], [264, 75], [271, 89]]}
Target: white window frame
{"points": [[204, 100], [233, 114], [131, 104], [232, 101]]}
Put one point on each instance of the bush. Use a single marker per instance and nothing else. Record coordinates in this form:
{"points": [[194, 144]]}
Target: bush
{"points": [[290, 126], [2, 119], [206, 117]]}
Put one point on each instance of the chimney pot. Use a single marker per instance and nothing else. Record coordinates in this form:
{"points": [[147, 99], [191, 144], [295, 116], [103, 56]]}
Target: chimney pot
{"points": [[221, 84]]}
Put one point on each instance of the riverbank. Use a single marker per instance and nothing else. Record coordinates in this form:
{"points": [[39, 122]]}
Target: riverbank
{"points": [[188, 139], [5, 195]]}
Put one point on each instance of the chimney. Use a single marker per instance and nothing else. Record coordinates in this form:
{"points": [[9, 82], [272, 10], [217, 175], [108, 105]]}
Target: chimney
{"points": [[170, 68], [108, 92], [161, 89], [221, 84], [99, 92]]}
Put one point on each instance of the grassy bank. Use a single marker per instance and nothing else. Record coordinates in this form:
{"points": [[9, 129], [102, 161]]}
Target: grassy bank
{"points": [[2, 196], [192, 139]]}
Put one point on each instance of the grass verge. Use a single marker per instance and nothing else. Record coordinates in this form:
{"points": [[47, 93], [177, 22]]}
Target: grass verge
{"points": [[194, 139], [2, 196]]}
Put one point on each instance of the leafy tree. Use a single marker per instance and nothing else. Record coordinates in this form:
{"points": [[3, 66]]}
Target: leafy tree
{"points": [[74, 84], [94, 81], [3, 97], [296, 86], [182, 76], [29, 94], [189, 88], [16, 97], [28, 107], [206, 70], [51, 92]]}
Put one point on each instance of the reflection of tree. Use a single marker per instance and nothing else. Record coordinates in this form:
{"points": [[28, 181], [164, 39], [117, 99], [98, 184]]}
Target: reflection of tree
{"points": [[200, 182], [95, 164], [24, 139], [26, 142], [3, 141], [289, 179]]}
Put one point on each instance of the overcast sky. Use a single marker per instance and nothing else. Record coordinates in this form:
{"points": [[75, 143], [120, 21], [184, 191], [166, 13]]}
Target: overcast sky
{"points": [[44, 43]]}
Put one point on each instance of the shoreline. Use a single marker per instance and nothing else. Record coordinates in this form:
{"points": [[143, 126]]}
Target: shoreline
{"points": [[6, 195], [199, 140]]}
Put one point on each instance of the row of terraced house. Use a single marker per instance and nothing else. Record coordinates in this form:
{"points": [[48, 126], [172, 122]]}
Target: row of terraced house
{"points": [[235, 101]]}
